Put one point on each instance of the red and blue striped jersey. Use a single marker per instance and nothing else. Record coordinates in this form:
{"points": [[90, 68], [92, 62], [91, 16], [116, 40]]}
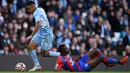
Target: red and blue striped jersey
{"points": [[66, 63]]}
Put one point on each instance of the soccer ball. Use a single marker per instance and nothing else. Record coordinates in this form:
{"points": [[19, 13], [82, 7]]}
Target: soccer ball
{"points": [[20, 67]]}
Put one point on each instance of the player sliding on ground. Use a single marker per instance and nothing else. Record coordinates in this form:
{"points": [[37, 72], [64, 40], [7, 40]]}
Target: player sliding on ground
{"points": [[41, 36], [85, 62]]}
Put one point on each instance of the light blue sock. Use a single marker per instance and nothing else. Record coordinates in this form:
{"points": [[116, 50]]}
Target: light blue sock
{"points": [[33, 55], [52, 53]]}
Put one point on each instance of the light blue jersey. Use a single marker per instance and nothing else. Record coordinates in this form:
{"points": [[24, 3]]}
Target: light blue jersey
{"points": [[44, 36], [40, 15]]}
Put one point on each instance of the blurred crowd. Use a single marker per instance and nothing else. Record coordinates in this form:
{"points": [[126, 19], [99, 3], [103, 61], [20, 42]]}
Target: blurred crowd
{"points": [[80, 24]]}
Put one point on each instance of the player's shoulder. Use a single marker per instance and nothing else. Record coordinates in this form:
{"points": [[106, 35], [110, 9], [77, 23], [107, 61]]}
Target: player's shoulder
{"points": [[59, 59], [38, 11]]}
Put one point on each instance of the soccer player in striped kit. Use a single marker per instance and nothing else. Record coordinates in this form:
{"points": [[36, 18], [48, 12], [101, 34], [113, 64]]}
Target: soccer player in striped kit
{"points": [[86, 62]]}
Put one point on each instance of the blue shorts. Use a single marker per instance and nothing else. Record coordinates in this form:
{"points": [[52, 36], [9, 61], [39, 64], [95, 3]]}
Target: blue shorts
{"points": [[85, 67], [88, 68], [44, 41], [85, 58]]}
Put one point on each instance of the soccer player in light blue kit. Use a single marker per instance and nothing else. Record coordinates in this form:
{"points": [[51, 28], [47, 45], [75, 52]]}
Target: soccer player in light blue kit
{"points": [[41, 36]]}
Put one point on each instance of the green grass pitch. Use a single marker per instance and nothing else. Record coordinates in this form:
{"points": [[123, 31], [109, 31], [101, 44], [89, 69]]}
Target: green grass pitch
{"points": [[67, 72]]}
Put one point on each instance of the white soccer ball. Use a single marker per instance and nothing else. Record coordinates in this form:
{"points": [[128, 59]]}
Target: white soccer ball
{"points": [[20, 67]]}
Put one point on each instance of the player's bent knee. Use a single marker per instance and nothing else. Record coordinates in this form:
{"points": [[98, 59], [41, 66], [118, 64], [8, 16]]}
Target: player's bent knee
{"points": [[98, 50], [30, 47], [95, 50]]}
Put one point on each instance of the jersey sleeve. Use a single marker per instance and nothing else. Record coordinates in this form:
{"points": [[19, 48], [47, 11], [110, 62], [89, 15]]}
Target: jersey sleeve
{"points": [[38, 18], [40, 15], [59, 64]]}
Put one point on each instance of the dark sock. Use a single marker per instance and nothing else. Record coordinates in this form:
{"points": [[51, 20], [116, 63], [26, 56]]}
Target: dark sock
{"points": [[108, 60]]}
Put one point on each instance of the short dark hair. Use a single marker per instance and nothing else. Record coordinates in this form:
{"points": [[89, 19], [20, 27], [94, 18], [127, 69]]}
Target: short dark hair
{"points": [[61, 47], [30, 3]]}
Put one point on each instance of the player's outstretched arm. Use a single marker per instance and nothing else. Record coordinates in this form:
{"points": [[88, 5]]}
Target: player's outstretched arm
{"points": [[58, 67], [59, 64], [35, 30]]}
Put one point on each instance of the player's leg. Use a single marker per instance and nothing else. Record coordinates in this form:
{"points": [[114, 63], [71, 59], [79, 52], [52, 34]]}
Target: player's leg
{"points": [[34, 43], [98, 53], [115, 61], [94, 52], [90, 55], [49, 53], [109, 62], [46, 44], [93, 63]]}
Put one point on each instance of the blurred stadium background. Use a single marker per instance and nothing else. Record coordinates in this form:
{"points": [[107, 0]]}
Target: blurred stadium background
{"points": [[76, 23]]}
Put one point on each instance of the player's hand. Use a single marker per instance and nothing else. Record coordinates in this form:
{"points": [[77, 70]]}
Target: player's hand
{"points": [[28, 38], [128, 11]]}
